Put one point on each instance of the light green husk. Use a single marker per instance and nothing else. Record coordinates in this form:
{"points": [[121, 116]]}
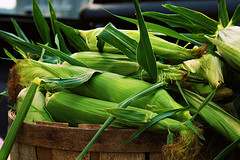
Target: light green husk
{"points": [[163, 49], [212, 70], [75, 109], [209, 67], [36, 111], [105, 86], [116, 63], [227, 41], [120, 64]]}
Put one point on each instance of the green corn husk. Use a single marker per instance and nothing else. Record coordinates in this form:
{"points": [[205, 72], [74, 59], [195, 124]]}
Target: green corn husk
{"points": [[205, 89], [26, 70], [85, 110], [227, 42], [212, 70], [163, 49], [75, 109], [209, 67], [116, 63], [120, 64], [36, 111], [105, 86], [116, 88], [216, 117]]}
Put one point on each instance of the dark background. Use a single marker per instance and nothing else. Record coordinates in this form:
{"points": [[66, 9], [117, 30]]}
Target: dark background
{"points": [[91, 16]]}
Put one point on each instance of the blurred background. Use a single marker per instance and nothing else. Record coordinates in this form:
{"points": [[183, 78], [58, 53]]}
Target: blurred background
{"points": [[81, 14]]}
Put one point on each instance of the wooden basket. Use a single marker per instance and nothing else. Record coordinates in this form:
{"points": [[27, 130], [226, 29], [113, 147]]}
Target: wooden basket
{"points": [[58, 141]]}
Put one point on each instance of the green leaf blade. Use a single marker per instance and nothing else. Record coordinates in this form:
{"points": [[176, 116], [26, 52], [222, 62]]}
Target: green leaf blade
{"points": [[161, 29], [63, 56], [73, 37], [195, 17], [119, 40], [235, 20], [19, 31], [41, 24], [175, 20], [19, 43], [56, 29], [223, 13], [145, 55], [17, 123], [151, 122], [70, 82]]}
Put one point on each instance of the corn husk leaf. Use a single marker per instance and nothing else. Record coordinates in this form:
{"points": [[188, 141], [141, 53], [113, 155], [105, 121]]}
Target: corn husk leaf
{"points": [[223, 13], [198, 37], [228, 50], [145, 56], [41, 24], [175, 20], [36, 111], [161, 29], [21, 44], [115, 63], [142, 118], [73, 37], [235, 20], [75, 109], [68, 82], [19, 30], [29, 69], [56, 29], [209, 67], [197, 18], [119, 40], [62, 55], [17, 123], [169, 52]]}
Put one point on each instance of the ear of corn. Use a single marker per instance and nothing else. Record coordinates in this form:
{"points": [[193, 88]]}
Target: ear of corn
{"points": [[209, 67], [216, 117], [36, 111], [75, 109], [29, 69], [115, 88], [163, 49], [85, 110], [116, 63], [227, 42], [105, 86], [204, 90], [120, 64]]}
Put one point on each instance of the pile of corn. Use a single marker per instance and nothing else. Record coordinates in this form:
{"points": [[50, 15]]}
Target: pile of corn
{"points": [[88, 86]]}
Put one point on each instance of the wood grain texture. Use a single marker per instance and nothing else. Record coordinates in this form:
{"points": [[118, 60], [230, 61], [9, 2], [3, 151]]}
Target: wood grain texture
{"points": [[49, 135]]}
